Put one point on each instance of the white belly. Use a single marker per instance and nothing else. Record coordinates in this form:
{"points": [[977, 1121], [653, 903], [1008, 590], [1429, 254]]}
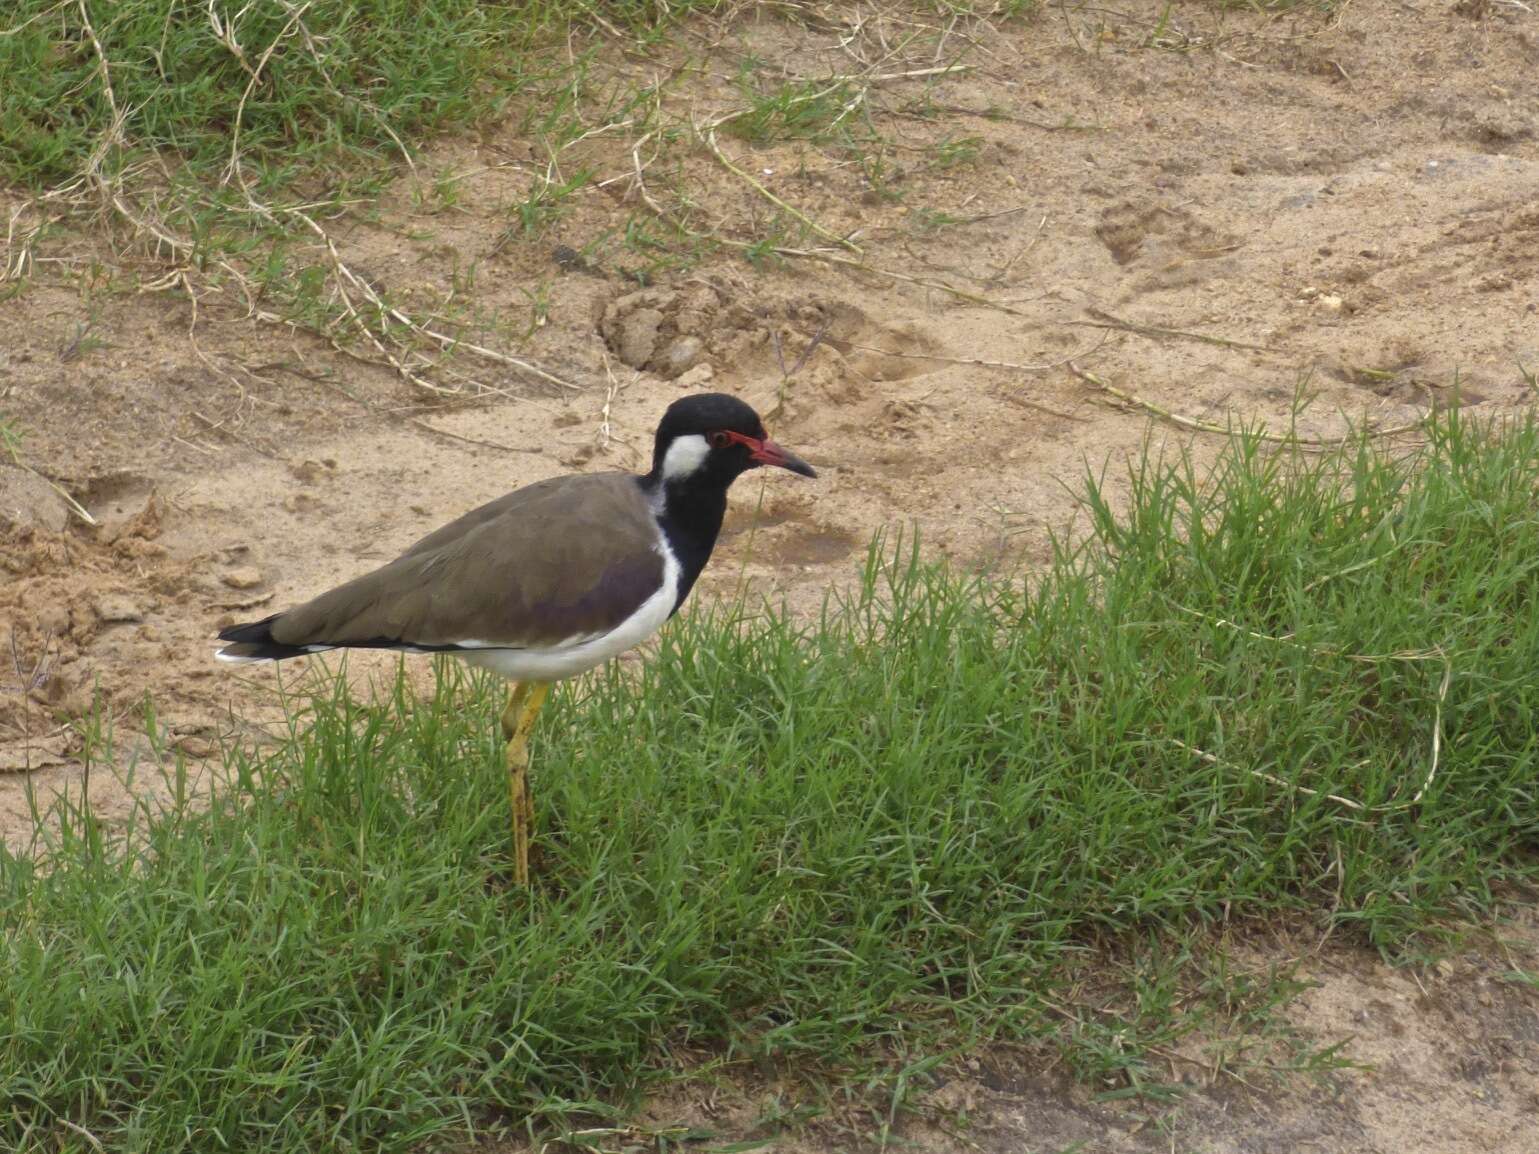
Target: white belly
{"points": [[579, 654]]}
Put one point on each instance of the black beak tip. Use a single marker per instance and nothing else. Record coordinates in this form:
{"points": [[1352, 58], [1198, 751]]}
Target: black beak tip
{"points": [[769, 453]]}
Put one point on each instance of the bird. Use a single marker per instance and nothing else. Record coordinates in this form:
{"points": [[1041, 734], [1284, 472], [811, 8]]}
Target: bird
{"points": [[545, 582]]}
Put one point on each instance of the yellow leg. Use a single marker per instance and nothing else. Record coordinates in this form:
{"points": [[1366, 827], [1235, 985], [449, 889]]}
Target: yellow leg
{"points": [[524, 702]]}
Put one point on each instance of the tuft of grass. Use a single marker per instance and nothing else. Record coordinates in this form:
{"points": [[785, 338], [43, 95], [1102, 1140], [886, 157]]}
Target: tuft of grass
{"points": [[308, 86], [10, 439], [901, 827], [222, 136], [796, 110], [547, 201], [955, 151]]}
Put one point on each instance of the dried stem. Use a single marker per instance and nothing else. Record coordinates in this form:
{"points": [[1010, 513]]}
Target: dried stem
{"points": [[1108, 321], [1201, 426], [709, 136]]}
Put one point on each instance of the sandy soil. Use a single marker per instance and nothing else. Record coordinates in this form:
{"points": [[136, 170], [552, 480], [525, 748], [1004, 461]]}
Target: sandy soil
{"points": [[1446, 1059], [1210, 210]]}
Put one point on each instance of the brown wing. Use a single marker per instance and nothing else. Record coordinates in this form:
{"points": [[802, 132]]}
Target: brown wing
{"points": [[558, 559]]}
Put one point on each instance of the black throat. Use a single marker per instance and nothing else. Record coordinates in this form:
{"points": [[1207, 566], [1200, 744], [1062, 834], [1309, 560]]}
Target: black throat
{"points": [[689, 512]]}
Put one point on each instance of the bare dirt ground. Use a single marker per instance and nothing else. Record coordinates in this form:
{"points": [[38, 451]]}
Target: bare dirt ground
{"points": [[1447, 1060], [1209, 210]]}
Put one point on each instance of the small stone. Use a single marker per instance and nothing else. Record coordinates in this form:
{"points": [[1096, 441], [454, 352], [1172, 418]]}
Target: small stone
{"points": [[198, 747], [243, 577], [568, 258], [113, 607], [1330, 302], [1308, 294], [699, 375], [680, 356]]}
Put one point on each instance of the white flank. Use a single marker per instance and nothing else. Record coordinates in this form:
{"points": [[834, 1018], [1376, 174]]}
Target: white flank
{"points": [[684, 456], [242, 659], [576, 654]]}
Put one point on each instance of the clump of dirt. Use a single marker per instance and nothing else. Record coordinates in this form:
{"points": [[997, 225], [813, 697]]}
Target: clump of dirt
{"points": [[670, 331], [1134, 228], [708, 327], [72, 599], [28, 499]]}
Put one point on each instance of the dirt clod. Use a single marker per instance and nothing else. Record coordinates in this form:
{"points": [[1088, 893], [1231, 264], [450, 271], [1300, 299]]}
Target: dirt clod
{"points": [[27, 499], [633, 334], [113, 608], [680, 356], [666, 331], [242, 577], [695, 378]]}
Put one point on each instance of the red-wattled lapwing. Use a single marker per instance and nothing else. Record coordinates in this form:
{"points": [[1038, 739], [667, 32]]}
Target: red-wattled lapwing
{"points": [[548, 581]]}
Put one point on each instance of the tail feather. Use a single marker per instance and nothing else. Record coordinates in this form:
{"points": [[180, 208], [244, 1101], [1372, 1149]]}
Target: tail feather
{"points": [[253, 641]]}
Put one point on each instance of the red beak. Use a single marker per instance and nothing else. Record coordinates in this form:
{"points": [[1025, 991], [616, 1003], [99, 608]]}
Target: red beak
{"points": [[766, 452], [769, 453]]}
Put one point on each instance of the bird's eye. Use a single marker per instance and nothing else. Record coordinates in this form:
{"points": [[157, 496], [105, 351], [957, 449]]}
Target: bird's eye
{"points": [[719, 439]]}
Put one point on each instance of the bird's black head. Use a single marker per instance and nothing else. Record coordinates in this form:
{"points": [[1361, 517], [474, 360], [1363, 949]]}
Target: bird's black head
{"points": [[710, 439]]}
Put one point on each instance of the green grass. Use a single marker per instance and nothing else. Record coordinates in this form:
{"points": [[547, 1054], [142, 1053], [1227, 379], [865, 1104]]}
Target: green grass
{"points": [[205, 130], [801, 110], [545, 204], [342, 82], [10, 440], [908, 825]]}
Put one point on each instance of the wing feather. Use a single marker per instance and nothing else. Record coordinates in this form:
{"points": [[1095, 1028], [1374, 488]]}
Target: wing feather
{"points": [[556, 561]]}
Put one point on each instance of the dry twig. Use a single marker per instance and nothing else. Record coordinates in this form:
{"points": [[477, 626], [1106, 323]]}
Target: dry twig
{"points": [[1016, 366], [1274, 779], [1106, 320], [1201, 426], [1408, 655], [709, 137]]}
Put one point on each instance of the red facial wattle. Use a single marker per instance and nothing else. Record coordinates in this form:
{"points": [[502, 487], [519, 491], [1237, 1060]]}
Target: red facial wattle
{"points": [[767, 452]]}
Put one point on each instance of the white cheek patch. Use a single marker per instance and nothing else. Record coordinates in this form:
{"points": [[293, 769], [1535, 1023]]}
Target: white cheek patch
{"points": [[684, 456]]}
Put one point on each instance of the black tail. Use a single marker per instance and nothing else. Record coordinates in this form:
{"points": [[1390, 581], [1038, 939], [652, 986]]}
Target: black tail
{"points": [[253, 641]]}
